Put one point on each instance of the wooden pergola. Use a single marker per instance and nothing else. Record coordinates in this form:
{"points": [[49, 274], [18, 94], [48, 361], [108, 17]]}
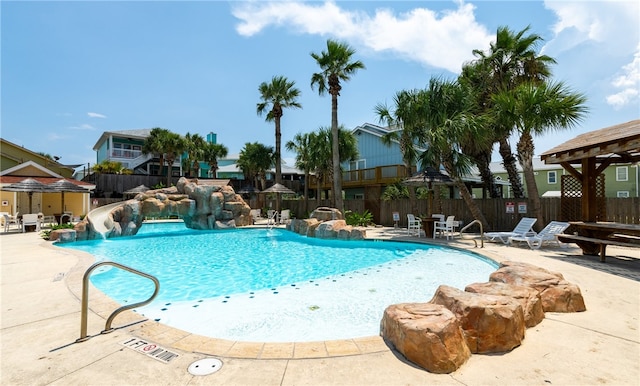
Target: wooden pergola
{"points": [[594, 151]]}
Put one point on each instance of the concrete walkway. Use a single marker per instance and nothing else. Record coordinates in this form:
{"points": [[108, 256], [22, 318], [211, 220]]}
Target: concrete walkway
{"points": [[41, 321]]}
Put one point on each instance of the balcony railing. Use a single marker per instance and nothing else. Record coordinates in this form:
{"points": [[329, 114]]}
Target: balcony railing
{"points": [[373, 176], [126, 154]]}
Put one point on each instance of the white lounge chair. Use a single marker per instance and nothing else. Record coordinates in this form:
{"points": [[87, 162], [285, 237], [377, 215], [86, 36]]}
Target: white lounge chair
{"points": [[522, 229], [414, 225], [256, 214], [272, 217], [445, 228], [547, 234]]}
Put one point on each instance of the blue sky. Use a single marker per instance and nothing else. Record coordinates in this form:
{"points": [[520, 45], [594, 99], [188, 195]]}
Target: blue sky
{"points": [[71, 70]]}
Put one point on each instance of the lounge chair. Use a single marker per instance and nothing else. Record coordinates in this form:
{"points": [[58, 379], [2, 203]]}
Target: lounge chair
{"points": [[272, 217], [285, 216], [414, 225], [549, 233], [522, 229], [256, 214], [445, 228]]}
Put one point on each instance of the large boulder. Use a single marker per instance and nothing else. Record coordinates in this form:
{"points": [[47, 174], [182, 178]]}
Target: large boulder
{"points": [[557, 294], [490, 323], [329, 229], [528, 298], [324, 213], [428, 335]]}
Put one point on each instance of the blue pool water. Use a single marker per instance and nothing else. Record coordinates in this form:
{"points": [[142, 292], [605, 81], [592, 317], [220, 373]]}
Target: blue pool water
{"points": [[275, 285]]}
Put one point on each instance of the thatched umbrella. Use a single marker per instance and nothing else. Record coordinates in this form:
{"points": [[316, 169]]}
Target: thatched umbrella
{"points": [[429, 177], [29, 186], [278, 189], [63, 186]]}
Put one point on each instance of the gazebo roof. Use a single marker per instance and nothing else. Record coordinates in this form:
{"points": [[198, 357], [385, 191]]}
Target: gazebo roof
{"points": [[618, 144]]}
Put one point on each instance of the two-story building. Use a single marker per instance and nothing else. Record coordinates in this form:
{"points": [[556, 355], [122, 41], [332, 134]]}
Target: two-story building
{"points": [[621, 180]]}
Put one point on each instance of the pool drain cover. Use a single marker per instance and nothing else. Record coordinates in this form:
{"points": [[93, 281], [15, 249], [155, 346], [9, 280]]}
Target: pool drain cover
{"points": [[205, 366]]}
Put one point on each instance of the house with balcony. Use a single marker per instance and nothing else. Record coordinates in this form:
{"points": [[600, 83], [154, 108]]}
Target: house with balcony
{"points": [[621, 180]]}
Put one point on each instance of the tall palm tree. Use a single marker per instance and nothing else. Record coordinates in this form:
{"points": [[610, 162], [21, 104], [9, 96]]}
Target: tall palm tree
{"points": [[301, 145], [534, 109], [254, 160], [336, 65], [276, 96], [405, 117], [194, 146], [447, 110], [173, 145], [511, 60], [153, 145], [211, 153]]}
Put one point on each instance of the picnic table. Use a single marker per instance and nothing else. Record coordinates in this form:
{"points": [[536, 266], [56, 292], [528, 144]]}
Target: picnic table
{"points": [[593, 237]]}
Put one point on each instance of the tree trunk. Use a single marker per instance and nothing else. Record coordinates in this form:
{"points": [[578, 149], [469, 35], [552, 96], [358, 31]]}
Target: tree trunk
{"points": [[525, 151], [482, 161], [277, 155], [335, 147], [509, 163], [466, 196]]}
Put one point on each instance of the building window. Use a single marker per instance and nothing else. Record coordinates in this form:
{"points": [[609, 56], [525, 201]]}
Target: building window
{"points": [[357, 165], [552, 177], [358, 196], [622, 173], [622, 194]]}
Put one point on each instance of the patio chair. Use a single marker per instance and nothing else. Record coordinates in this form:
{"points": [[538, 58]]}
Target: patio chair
{"points": [[30, 219], [445, 228], [414, 225], [272, 217], [285, 216], [522, 229], [549, 233], [256, 214], [7, 221]]}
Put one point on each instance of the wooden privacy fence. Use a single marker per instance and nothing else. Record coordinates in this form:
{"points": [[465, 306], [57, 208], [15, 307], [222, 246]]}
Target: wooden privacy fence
{"points": [[502, 214]]}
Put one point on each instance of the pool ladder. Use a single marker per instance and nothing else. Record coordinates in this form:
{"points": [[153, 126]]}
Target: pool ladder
{"points": [[481, 232], [85, 298]]}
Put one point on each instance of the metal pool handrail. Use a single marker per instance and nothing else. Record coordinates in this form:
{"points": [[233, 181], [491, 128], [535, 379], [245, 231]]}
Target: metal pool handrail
{"points": [[85, 298], [481, 232]]}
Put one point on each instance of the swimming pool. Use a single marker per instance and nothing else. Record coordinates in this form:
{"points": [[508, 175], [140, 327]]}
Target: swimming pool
{"points": [[273, 285]]}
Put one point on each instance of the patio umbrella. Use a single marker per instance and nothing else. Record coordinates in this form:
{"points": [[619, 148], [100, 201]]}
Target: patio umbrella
{"points": [[63, 186], [428, 177], [278, 189], [29, 186]]}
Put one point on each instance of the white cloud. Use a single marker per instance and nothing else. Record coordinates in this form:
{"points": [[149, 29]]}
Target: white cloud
{"points": [[96, 115], [612, 23], [439, 39], [84, 126], [629, 83]]}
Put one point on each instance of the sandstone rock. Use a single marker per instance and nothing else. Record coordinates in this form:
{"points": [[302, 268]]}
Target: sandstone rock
{"points": [[528, 298], [63, 235], [329, 229], [490, 323], [557, 294], [324, 213], [428, 335]]}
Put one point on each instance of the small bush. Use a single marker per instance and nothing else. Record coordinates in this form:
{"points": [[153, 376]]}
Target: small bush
{"points": [[46, 234], [357, 219]]}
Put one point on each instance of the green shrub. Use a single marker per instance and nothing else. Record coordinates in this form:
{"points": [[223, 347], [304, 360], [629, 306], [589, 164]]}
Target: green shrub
{"points": [[45, 234], [357, 219]]}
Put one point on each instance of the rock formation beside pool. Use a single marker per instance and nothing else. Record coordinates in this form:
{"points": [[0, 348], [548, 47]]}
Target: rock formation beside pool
{"points": [[492, 316], [199, 206], [327, 223]]}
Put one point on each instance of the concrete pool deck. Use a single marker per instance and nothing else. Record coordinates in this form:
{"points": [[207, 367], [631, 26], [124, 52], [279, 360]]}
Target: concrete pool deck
{"points": [[40, 322]]}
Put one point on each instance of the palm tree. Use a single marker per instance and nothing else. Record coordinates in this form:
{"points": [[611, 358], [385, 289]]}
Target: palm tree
{"points": [[301, 145], [336, 66], [254, 160], [211, 153], [534, 109], [173, 146], [405, 117], [276, 96], [153, 145], [511, 60], [194, 146], [447, 110]]}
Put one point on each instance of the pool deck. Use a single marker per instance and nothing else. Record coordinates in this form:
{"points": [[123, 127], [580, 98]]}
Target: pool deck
{"points": [[40, 323]]}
